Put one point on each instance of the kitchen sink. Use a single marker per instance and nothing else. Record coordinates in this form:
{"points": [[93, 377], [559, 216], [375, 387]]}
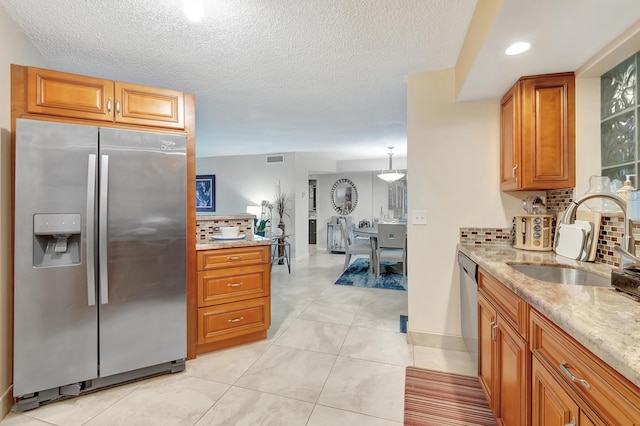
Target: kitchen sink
{"points": [[562, 275]]}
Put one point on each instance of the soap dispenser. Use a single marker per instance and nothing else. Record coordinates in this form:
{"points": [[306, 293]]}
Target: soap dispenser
{"points": [[622, 192]]}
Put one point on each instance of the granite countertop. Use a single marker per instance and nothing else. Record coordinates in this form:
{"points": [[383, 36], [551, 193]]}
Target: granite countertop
{"points": [[205, 216], [604, 321], [222, 244]]}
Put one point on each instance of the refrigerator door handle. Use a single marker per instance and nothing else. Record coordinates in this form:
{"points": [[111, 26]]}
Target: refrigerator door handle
{"points": [[90, 230], [104, 188]]}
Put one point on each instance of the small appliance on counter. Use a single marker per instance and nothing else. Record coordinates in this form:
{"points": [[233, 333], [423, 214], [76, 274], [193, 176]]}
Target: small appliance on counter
{"points": [[533, 232]]}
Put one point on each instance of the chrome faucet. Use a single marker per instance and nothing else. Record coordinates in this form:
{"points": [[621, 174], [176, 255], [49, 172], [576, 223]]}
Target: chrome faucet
{"points": [[626, 257]]}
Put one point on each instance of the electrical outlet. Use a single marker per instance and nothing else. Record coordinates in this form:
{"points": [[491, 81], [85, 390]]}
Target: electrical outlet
{"points": [[419, 217]]}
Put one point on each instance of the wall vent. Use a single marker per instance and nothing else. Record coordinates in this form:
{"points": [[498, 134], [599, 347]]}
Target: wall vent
{"points": [[275, 159]]}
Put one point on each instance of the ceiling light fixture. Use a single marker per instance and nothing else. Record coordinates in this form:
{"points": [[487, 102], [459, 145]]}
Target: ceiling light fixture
{"points": [[517, 48], [193, 9], [390, 175]]}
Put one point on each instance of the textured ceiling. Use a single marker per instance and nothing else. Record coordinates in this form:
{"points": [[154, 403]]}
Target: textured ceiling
{"points": [[268, 75], [321, 76]]}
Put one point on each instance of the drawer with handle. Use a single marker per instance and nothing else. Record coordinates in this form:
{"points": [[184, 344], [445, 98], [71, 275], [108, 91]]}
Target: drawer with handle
{"points": [[232, 284], [220, 322], [613, 396], [231, 257]]}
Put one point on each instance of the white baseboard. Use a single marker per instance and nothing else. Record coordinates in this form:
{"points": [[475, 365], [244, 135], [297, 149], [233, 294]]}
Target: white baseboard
{"points": [[453, 343], [6, 402]]}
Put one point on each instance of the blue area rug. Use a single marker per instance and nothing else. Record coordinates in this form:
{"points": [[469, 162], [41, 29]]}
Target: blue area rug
{"points": [[358, 275]]}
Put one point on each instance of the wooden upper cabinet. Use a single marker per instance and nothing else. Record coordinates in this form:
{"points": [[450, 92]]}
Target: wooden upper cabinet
{"points": [[149, 106], [76, 96], [537, 122], [509, 139], [69, 95]]}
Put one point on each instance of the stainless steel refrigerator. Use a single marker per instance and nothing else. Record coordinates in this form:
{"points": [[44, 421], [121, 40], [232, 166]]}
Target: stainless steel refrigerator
{"points": [[100, 258]]}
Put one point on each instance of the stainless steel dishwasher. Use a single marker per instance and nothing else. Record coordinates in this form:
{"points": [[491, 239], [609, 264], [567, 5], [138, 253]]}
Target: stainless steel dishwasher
{"points": [[469, 305]]}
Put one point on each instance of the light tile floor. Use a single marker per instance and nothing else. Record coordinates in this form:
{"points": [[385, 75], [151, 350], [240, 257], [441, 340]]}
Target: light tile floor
{"points": [[334, 356]]}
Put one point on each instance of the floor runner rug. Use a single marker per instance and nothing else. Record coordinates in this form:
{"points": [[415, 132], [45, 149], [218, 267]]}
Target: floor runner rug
{"points": [[359, 275], [434, 398]]}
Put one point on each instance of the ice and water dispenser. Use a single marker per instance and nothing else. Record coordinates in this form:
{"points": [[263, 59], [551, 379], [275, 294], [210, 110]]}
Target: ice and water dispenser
{"points": [[56, 239]]}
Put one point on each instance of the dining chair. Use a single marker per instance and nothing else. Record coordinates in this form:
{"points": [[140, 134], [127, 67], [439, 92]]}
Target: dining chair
{"points": [[350, 248], [392, 245]]}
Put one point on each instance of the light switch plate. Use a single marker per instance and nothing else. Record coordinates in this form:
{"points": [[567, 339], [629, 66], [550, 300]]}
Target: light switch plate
{"points": [[419, 217]]}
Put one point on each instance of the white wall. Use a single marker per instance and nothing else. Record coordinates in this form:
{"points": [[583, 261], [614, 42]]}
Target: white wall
{"points": [[14, 49], [587, 132], [453, 163], [245, 180]]}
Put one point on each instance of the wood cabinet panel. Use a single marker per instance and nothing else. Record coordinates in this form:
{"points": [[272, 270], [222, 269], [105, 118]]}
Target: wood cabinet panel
{"points": [[551, 405], [512, 307], [76, 96], [504, 357], [509, 140], [69, 95], [486, 351], [149, 106], [233, 319], [232, 284], [233, 257], [538, 133], [548, 156], [512, 366], [613, 397]]}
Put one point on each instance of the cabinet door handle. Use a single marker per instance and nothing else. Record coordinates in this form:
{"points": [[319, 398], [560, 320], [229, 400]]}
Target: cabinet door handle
{"points": [[118, 106], [236, 319], [573, 421], [234, 284], [493, 329], [565, 370], [109, 105], [234, 257], [513, 171]]}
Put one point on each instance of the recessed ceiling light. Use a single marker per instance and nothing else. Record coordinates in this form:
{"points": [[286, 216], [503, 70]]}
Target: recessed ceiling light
{"points": [[193, 9], [517, 48]]}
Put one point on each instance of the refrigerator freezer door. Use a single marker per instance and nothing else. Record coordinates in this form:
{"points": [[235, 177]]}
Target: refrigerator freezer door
{"points": [[143, 321], [55, 328]]}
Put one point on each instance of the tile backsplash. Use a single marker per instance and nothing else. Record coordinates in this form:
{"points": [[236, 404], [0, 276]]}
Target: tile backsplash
{"points": [[610, 234], [207, 226], [486, 236]]}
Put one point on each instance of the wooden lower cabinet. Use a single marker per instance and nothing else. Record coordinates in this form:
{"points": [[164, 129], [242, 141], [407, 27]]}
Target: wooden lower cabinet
{"points": [[503, 365], [602, 395], [533, 373], [221, 322], [234, 303], [551, 405], [487, 348], [512, 366]]}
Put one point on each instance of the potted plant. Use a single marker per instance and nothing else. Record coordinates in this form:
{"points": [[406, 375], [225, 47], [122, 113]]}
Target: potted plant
{"points": [[260, 229], [281, 205]]}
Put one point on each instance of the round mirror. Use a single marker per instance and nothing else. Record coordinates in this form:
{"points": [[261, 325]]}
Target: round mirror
{"points": [[344, 196]]}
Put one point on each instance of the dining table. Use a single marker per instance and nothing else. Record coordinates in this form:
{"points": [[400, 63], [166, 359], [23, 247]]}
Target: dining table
{"points": [[372, 233]]}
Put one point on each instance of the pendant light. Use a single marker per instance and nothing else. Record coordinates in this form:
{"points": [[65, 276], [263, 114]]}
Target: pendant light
{"points": [[193, 9], [390, 175]]}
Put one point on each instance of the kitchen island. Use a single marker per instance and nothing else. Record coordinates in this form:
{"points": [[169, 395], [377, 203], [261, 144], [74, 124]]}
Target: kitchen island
{"points": [[233, 292], [581, 354]]}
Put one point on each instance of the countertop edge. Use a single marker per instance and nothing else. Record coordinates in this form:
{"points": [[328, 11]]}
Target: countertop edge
{"points": [[586, 313], [215, 245]]}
